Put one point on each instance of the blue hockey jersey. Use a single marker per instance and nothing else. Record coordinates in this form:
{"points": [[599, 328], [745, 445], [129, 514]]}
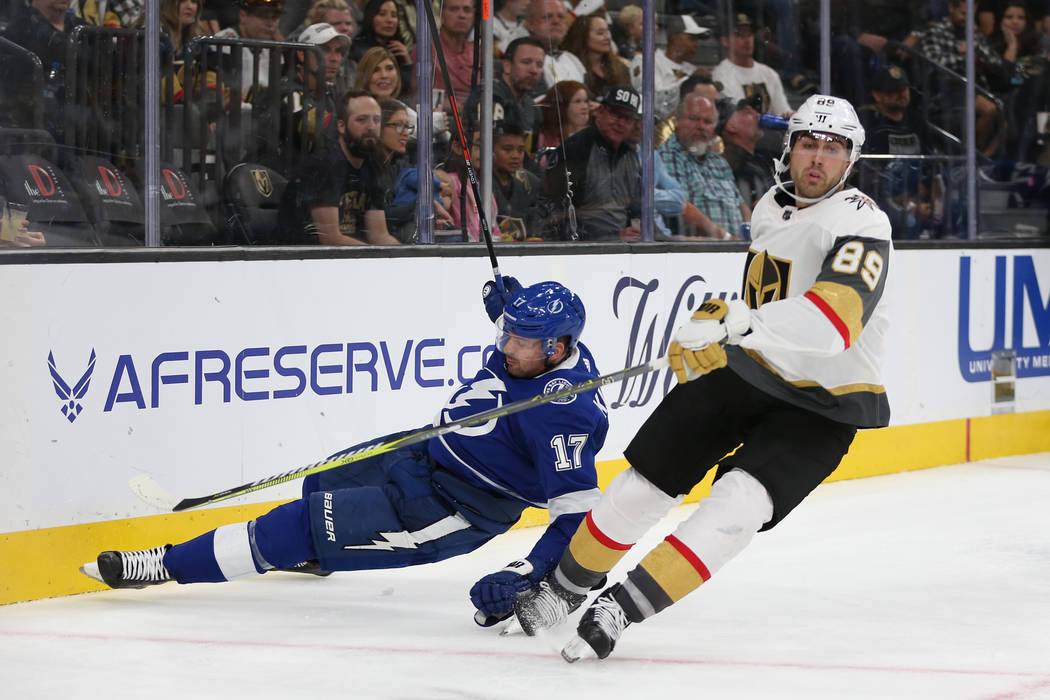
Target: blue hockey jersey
{"points": [[543, 456]]}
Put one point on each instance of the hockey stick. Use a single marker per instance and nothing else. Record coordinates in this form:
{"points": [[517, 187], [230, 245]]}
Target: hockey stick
{"points": [[147, 489], [471, 175]]}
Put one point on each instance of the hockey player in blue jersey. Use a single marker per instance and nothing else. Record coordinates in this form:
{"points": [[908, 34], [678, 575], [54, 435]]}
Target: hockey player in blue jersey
{"points": [[440, 498]]}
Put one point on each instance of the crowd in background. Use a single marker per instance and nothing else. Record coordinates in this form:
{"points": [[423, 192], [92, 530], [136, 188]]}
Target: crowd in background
{"points": [[567, 112]]}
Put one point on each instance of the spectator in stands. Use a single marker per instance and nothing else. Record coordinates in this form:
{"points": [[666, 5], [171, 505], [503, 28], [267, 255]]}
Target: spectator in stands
{"points": [[699, 84], [457, 21], [627, 31], [669, 198], [742, 76], [672, 64], [601, 164], [336, 13], [590, 41], [868, 34], [43, 27], [517, 191], [310, 107], [335, 197], [890, 127], [463, 193], [752, 169], [513, 97], [257, 19], [334, 47], [180, 21], [545, 22], [394, 166], [566, 110], [944, 44], [379, 27], [706, 176], [508, 23], [378, 75], [1015, 39]]}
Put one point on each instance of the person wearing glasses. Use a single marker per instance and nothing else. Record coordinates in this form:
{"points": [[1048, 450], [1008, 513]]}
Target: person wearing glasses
{"points": [[593, 180], [399, 176]]}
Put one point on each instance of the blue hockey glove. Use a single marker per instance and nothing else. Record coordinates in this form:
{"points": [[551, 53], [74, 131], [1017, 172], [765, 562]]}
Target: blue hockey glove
{"points": [[494, 595], [494, 300]]}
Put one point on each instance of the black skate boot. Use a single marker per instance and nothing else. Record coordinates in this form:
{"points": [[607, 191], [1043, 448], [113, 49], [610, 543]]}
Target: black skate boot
{"points": [[601, 625], [137, 569], [310, 566], [546, 607]]}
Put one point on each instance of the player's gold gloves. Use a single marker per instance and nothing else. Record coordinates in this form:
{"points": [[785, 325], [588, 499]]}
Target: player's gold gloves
{"points": [[696, 348]]}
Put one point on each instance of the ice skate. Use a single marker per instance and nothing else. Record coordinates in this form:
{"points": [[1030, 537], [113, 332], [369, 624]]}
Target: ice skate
{"points": [[137, 569], [310, 566], [546, 607], [601, 625]]}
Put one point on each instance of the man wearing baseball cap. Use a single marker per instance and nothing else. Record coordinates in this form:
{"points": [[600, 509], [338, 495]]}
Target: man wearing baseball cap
{"points": [[672, 64], [334, 46], [597, 176], [257, 19], [742, 76]]}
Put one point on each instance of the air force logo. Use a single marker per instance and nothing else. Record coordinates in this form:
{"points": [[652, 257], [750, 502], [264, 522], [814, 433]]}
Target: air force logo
{"points": [[71, 406]]}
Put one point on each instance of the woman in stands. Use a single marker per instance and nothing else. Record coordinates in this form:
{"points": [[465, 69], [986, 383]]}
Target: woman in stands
{"points": [[379, 28], [180, 21], [589, 39], [378, 75], [566, 110], [399, 176], [1015, 39]]}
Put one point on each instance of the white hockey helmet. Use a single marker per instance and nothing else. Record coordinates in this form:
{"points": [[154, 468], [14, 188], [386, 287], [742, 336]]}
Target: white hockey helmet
{"points": [[827, 115]]}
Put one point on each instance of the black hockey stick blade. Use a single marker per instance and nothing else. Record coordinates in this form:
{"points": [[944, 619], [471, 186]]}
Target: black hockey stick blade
{"points": [[143, 485]]}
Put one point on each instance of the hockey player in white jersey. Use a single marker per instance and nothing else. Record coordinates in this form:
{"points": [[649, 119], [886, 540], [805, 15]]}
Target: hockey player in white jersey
{"points": [[784, 376]]}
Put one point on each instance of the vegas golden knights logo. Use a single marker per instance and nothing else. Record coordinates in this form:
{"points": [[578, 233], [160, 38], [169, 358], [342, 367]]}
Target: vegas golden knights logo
{"points": [[262, 182], [766, 278]]}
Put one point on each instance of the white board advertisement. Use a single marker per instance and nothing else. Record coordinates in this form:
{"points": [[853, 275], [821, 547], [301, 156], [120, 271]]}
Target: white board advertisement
{"points": [[206, 375]]}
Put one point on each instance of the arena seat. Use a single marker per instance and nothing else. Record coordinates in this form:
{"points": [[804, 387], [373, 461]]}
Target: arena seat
{"points": [[252, 193]]}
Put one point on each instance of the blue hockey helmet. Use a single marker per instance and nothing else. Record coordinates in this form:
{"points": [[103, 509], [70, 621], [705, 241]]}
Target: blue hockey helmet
{"points": [[546, 311]]}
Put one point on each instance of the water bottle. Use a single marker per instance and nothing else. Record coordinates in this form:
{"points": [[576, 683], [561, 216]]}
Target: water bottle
{"points": [[745, 231], [772, 122]]}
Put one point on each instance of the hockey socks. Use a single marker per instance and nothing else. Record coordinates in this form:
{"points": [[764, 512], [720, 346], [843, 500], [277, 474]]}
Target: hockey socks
{"points": [[279, 539], [631, 505], [722, 526]]}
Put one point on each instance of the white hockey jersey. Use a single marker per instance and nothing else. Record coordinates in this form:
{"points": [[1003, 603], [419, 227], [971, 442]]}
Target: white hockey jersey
{"points": [[815, 280]]}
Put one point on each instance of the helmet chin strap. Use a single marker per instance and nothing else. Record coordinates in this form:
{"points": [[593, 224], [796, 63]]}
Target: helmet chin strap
{"points": [[780, 166]]}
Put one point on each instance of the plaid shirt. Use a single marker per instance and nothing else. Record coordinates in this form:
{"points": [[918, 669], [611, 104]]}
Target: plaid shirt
{"points": [[708, 183], [940, 44]]}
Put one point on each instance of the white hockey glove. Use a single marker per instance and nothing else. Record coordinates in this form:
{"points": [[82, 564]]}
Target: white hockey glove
{"points": [[697, 346]]}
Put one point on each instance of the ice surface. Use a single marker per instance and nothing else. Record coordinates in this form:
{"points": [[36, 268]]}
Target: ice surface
{"points": [[932, 585]]}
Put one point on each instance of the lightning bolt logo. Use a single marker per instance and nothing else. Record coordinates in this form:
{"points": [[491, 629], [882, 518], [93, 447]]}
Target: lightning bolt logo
{"points": [[389, 541], [475, 397]]}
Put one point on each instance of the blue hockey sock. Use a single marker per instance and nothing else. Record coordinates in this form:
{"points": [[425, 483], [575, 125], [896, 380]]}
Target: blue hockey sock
{"points": [[194, 561], [282, 537]]}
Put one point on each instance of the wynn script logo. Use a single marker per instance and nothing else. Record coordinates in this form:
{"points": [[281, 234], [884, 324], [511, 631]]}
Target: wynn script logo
{"points": [[651, 331]]}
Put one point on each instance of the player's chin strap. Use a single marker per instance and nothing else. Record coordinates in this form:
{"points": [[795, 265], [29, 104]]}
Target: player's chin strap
{"points": [[780, 166]]}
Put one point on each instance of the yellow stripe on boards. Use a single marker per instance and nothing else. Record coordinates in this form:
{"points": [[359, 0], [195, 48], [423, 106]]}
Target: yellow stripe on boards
{"points": [[43, 563]]}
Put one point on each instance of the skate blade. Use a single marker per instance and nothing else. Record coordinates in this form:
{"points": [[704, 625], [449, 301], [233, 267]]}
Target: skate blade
{"points": [[90, 569], [512, 627], [577, 649]]}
